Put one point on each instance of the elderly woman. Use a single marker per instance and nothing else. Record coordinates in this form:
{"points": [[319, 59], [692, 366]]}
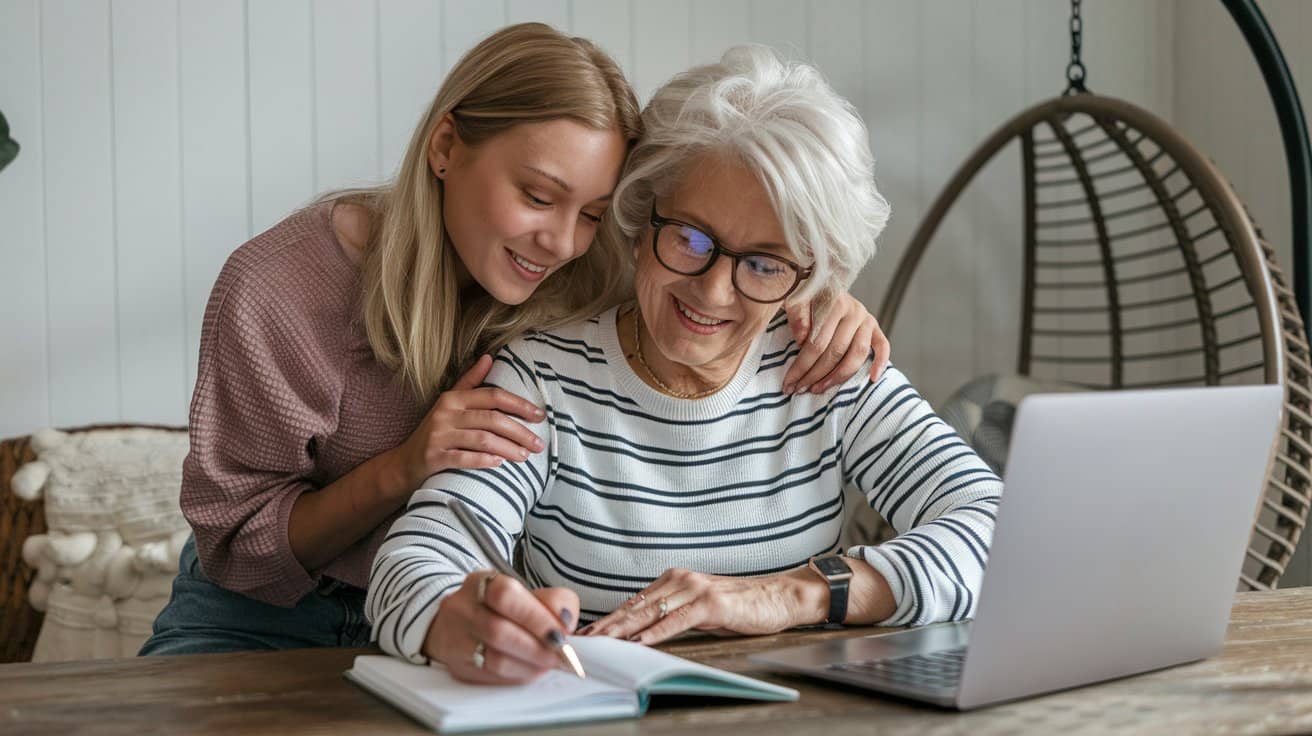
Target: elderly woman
{"points": [[681, 490]]}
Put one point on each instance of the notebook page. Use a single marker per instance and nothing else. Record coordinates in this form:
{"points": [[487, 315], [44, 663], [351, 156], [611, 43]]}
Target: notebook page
{"points": [[441, 698], [639, 667]]}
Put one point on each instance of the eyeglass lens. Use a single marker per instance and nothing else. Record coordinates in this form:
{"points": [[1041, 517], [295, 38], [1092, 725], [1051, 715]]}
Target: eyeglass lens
{"points": [[687, 250]]}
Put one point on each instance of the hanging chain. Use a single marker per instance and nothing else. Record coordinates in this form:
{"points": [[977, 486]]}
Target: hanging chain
{"points": [[1075, 70]]}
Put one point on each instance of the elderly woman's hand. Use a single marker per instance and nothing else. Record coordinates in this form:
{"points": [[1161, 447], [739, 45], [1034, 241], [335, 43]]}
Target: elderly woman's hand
{"points": [[840, 346], [681, 600], [492, 630]]}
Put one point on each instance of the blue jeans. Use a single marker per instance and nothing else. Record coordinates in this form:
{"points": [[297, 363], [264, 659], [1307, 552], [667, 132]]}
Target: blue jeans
{"points": [[203, 617]]}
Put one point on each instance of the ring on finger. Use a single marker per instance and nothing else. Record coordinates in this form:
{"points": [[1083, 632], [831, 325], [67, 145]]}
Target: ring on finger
{"points": [[663, 607], [483, 582], [479, 657]]}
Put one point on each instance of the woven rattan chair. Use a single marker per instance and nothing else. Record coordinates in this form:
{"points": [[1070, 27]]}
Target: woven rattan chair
{"points": [[1142, 268], [19, 519]]}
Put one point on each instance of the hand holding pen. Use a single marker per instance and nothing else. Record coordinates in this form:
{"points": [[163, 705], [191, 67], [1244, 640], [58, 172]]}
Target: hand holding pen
{"points": [[496, 629]]}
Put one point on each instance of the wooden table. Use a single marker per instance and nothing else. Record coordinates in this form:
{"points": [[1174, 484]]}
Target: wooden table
{"points": [[1261, 683]]}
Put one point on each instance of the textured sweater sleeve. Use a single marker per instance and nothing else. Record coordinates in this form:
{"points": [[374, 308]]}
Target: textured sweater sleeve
{"points": [[932, 488], [427, 553], [265, 389]]}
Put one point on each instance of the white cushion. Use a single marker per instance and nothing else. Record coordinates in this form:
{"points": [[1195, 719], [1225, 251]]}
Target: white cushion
{"points": [[106, 564], [984, 410]]}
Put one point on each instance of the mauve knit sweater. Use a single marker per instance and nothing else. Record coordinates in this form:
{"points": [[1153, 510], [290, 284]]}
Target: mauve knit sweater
{"points": [[288, 399]]}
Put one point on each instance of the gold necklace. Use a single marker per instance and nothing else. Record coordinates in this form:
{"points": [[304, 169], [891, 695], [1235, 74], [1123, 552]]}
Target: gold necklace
{"points": [[637, 344]]}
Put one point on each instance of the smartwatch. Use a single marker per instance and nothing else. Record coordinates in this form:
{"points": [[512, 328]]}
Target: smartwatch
{"points": [[837, 574]]}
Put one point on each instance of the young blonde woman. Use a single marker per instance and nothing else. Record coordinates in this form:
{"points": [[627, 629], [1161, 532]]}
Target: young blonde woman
{"points": [[330, 381]]}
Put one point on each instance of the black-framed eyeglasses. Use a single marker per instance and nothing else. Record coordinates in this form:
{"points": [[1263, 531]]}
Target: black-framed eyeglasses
{"points": [[689, 251]]}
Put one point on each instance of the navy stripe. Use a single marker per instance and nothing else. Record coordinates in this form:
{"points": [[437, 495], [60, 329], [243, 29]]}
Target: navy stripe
{"points": [[546, 338], [431, 600], [541, 509], [967, 485], [826, 461], [696, 545]]}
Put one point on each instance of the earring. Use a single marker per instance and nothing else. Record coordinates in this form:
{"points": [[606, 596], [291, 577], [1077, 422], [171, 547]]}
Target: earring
{"points": [[441, 171]]}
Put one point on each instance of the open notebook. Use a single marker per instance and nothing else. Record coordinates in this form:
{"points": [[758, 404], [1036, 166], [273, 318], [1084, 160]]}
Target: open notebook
{"points": [[622, 677]]}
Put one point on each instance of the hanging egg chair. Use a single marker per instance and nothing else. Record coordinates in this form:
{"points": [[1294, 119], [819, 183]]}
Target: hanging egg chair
{"points": [[1143, 269]]}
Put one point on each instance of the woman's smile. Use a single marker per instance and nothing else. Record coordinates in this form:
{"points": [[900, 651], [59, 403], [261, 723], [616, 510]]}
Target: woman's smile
{"points": [[698, 322], [526, 269]]}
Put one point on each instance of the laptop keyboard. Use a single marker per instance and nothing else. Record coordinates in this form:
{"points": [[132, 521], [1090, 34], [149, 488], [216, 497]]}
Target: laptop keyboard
{"points": [[941, 669]]}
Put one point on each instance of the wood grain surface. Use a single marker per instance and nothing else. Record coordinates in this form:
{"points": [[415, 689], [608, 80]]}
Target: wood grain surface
{"points": [[1261, 683]]}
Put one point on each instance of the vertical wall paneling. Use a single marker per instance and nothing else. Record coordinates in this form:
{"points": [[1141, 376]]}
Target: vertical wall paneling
{"points": [[892, 110], [837, 44], [281, 109], [554, 13], [995, 200], [215, 147], [410, 71], [836, 40], [152, 347], [716, 26], [948, 282], [606, 23], [24, 368], [346, 93], [661, 48], [465, 23], [79, 179], [781, 24]]}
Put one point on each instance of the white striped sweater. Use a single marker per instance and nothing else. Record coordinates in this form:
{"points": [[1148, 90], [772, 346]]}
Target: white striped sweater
{"points": [[747, 481]]}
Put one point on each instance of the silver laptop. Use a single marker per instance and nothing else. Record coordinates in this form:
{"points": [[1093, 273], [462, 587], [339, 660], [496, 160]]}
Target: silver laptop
{"points": [[1117, 550]]}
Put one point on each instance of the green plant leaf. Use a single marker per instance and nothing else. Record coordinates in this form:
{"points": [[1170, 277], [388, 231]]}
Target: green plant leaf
{"points": [[8, 146]]}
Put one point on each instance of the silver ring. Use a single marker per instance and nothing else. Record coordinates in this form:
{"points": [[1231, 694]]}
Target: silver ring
{"points": [[483, 582], [477, 658], [663, 607]]}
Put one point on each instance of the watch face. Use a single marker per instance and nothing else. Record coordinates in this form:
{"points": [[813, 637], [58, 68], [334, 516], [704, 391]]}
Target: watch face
{"points": [[830, 566]]}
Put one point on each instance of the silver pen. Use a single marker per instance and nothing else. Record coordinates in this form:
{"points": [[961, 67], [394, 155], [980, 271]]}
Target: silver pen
{"points": [[555, 639]]}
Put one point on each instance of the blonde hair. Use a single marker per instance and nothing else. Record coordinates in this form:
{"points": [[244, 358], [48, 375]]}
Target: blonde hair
{"points": [[413, 315], [805, 143]]}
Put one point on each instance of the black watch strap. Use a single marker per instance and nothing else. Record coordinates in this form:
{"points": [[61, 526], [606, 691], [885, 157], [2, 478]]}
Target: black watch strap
{"points": [[837, 601]]}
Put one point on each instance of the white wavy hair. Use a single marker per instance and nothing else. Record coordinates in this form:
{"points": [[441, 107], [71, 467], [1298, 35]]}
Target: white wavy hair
{"points": [[805, 143]]}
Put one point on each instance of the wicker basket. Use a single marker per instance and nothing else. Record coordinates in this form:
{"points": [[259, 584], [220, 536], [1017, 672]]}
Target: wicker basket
{"points": [[19, 519]]}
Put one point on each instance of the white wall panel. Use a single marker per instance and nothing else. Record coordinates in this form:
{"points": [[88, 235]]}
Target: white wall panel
{"points": [[216, 216], [24, 378], [608, 24], [837, 43], [465, 23], [346, 110], [893, 113], [661, 47], [554, 13], [995, 200], [947, 282], [282, 124], [717, 26], [79, 193], [781, 24], [152, 350], [411, 70]]}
